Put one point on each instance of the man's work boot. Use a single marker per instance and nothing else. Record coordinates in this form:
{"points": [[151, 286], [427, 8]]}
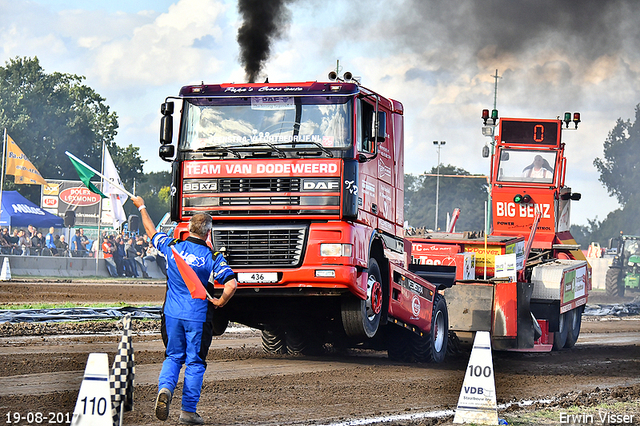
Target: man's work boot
{"points": [[188, 418], [162, 404]]}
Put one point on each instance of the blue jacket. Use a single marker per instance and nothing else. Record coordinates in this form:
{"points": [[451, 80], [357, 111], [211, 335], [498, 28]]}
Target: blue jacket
{"points": [[178, 302], [50, 241]]}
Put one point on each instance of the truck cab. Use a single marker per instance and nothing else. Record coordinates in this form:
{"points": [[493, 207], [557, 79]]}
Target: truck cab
{"points": [[305, 184]]}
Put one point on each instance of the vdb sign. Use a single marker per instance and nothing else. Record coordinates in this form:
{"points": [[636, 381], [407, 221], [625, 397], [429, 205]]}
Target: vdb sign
{"points": [[79, 196]]}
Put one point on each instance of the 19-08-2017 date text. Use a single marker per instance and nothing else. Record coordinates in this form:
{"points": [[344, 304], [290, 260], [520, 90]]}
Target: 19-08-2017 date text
{"points": [[37, 417]]}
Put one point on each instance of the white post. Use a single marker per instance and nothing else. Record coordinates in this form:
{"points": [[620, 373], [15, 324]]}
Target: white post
{"points": [[99, 246], [439, 145], [4, 156]]}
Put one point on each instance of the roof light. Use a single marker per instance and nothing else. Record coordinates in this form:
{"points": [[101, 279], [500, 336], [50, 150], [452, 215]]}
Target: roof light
{"points": [[485, 116]]}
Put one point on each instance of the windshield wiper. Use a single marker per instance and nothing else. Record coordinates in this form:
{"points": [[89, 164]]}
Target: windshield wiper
{"points": [[322, 148], [281, 153], [221, 148]]}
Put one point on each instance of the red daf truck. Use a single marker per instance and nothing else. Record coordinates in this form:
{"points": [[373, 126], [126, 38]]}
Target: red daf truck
{"points": [[305, 184], [530, 281]]}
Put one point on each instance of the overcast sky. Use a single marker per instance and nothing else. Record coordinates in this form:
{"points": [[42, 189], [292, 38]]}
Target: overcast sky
{"points": [[436, 57]]}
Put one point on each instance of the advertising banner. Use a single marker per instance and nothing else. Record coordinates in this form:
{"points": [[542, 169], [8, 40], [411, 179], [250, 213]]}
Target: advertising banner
{"points": [[62, 195]]}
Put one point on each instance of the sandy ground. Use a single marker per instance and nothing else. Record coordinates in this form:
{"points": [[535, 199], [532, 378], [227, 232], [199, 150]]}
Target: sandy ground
{"points": [[41, 367]]}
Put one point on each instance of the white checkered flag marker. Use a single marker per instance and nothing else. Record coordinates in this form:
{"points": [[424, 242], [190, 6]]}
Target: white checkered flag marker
{"points": [[122, 376]]}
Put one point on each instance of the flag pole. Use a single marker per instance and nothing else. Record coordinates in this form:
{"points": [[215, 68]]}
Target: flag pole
{"points": [[4, 148], [116, 184], [99, 246]]}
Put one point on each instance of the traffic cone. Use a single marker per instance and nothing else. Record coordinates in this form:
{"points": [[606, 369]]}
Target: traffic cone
{"points": [[477, 402], [5, 275], [93, 407]]}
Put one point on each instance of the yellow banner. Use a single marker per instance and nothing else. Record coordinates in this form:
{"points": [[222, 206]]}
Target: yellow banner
{"points": [[19, 166]]}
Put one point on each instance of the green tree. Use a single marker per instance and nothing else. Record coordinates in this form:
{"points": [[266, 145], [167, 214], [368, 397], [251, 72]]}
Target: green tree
{"points": [[619, 170], [620, 174], [48, 114], [467, 192]]}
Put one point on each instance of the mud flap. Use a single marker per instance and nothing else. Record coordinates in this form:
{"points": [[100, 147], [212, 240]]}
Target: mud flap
{"points": [[526, 330]]}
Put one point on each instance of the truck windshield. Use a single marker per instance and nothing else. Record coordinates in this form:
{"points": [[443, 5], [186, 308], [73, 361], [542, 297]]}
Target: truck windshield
{"points": [[526, 166], [281, 121]]}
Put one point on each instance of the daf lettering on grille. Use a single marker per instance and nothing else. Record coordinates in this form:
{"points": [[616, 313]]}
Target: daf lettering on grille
{"points": [[320, 185]]}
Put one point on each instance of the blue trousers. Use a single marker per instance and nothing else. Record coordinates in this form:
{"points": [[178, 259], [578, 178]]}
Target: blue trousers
{"points": [[187, 342]]}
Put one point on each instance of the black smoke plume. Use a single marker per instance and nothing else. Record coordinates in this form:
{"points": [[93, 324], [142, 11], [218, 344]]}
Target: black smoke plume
{"points": [[264, 22]]}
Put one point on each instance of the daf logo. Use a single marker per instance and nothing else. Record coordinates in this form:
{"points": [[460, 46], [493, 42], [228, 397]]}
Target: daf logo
{"points": [[320, 185]]}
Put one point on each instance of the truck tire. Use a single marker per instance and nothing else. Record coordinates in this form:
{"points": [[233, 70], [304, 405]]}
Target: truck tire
{"points": [[560, 336], [432, 347], [300, 342], [273, 341], [614, 284], [573, 332], [219, 324], [398, 345], [361, 318]]}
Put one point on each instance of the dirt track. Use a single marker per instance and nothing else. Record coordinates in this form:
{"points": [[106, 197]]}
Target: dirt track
{"points": [[41, 368]]}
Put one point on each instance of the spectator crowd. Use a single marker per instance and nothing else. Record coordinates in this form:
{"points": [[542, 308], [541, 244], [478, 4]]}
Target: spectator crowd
{"points": [[125, 255]]}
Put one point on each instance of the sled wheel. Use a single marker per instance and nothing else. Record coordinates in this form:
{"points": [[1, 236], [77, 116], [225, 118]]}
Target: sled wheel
{"points": [[560, 336], [575, 320]]}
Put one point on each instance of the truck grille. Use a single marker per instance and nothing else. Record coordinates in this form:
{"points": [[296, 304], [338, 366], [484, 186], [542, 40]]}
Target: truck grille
{"points": [[264, 247], [260, 201], [260, 185]]}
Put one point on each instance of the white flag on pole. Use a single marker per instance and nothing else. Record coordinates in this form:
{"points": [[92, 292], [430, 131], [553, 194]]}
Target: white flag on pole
{"points": [[118, 197]]}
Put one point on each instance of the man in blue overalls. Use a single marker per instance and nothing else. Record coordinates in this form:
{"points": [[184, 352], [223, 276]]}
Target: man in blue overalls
{"points": [[187, 326]]}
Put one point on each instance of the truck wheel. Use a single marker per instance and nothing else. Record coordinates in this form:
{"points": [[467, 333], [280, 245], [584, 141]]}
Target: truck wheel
{"points": [[398, 344], [560, 336], [273, 341], [575, 320], [612, 282], [300, 342], [219, 324], [439, 336], [432, 347], [361, 318]]}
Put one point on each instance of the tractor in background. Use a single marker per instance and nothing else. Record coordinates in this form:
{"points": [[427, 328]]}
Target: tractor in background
{"points": [[624, 271]]}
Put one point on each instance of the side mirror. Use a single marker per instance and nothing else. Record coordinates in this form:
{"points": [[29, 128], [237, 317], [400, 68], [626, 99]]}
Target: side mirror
{"points": [[166, 129], [166, 108], [167, 152]]}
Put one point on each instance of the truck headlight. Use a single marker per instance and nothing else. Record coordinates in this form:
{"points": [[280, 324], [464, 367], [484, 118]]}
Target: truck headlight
{"points": [[335, 250]]}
